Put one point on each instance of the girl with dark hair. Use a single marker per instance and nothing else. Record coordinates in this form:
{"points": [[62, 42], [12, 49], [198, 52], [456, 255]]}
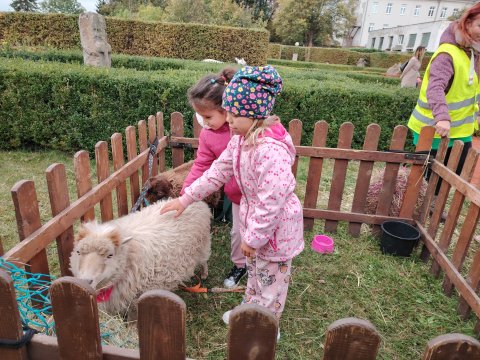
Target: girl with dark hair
{"points": [[206, 99]]}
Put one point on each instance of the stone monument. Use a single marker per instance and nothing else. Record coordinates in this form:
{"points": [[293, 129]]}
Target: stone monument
{"points": [[93, 36]]}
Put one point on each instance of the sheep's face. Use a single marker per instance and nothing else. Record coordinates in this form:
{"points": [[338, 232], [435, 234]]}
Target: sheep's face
{"points": [[96, 255]]}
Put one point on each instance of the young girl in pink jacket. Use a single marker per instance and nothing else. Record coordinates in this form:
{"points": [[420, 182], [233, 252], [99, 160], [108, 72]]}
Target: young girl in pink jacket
{"points": [[206, 99], [259, 157]]}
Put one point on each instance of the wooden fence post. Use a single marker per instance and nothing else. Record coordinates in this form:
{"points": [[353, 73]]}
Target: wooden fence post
{"points": [[452, 346], [118, 162], [473, 279], [28, 220], [143, 142], [390, 175], [176, 129], [295, 131], [10, 325], [103, 171], [363, 178], [160, 134], [314, 172], [131, 137], [161, 326], [81, 164], [75, 312], [152, 134], [339, 174], [351, 339], [59, 200], [252, 333]]}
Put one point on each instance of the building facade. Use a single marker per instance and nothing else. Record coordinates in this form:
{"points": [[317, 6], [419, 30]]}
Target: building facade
{"points": [[401, 25]]}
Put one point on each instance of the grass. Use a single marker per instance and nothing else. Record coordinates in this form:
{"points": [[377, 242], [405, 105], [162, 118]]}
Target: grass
{"points": [[398, 295]]}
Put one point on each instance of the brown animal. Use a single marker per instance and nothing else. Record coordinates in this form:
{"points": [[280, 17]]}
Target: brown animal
{"points": [[169, 184]]}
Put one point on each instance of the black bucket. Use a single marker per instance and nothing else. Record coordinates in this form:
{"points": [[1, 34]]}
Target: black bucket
{"points": [[398, 238]]}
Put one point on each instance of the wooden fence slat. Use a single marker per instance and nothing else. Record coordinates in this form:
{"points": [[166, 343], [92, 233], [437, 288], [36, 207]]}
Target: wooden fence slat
{"points": [[463, 243], [452, 347], [432, 182], [414, 180], [339, 174], [161, 326], [118, 162], [363, 178], [39, 239], [143, 142], [455, 208], [131, 136], [252, 333], [295, 131], [28, 221], [75, 312], [176, 128], [314, 172], [160, 134], [442, 197], [196, 132], [472, 279], [103, 171], [152, 134], [10, 325], [81, 164], [59, 200], [1, 248], [351, 339]]}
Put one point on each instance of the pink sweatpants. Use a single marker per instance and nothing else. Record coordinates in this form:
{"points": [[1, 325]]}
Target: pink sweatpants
{"points": [[236, 239], [267, 284]]}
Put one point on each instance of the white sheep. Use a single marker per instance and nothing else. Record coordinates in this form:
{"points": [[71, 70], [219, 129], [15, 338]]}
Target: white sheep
{"points": [[141, 251]]}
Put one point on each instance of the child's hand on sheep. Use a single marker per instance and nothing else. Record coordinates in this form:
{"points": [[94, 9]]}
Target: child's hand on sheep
{"points": [[247, 250], [174, 205]]}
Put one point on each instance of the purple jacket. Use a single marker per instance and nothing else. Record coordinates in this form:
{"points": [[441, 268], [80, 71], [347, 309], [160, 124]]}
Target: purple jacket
{"points": [[441, 76], [211, 145], [271, 216]]}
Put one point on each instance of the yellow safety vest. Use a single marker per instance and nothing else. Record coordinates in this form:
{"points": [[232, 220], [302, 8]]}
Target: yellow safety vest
{"points": [[461, 98]]}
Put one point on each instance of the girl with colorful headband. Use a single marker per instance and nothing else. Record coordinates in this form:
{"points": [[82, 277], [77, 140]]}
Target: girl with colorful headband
{"points": [[259, 157]]}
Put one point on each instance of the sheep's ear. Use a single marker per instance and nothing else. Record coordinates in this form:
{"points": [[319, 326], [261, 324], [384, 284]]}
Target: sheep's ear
{"points": [[83, 231], [126, 240]]}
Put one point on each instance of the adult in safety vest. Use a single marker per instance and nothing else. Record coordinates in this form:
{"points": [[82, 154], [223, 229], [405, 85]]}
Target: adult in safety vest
{"points": [[450, 89]]}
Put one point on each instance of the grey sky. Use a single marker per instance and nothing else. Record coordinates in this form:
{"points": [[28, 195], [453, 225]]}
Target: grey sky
{"points": [[87, 4]]}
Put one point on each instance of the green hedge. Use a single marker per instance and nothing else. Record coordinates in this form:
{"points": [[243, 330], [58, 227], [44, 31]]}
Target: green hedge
{"points": [[71, 107], [184, 41]]}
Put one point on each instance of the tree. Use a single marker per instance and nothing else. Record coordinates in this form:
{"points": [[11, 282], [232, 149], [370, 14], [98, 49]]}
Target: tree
{"points": [[24, 5], [62, 6], [187, 11], [313, 22], [260, 8], [228, 13]]}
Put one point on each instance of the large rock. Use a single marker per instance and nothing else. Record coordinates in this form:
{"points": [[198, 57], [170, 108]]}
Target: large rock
{"points": [[362, 62], [93, 36]]}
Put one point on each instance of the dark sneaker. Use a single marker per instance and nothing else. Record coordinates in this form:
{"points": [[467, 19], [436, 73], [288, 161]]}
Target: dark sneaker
{"points": [[233, 278]]}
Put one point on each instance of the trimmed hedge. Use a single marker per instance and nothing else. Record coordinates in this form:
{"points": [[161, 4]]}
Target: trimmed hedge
{"points": [[71, 107], [185, 41]]}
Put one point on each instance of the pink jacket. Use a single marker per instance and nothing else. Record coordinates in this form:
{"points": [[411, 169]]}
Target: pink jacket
{"points": [[271, 217], [211, 145]]}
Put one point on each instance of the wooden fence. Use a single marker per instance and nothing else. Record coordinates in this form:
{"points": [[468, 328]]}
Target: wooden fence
{"points": [[35, 237]]}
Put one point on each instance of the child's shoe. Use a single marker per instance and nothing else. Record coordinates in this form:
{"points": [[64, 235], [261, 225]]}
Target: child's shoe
{"points": [[226, 320], [233, 278]]}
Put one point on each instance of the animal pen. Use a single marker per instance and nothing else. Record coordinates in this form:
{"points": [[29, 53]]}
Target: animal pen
{"points": [[252, 331]]}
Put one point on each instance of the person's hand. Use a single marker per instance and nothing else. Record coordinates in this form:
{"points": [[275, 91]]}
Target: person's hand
{"points": [[442, 128], [174, 205], [247, 250]]}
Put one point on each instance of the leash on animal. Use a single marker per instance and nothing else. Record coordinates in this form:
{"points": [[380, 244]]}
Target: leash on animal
{"points": [[198, 288], [141, 198]]}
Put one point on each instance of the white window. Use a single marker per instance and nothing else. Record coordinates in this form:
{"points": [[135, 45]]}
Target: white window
{"points": [[431, 10], [425, 39], [455, 12], [400, 39], [417, 10], [380, 45], [403, 9], [389, 8], [374, 7], [373, 43], [443, 13], [371, 26], [411, 41]]}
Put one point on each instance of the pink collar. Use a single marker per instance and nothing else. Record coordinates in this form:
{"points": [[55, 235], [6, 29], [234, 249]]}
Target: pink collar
{"points": [[104, 294]]}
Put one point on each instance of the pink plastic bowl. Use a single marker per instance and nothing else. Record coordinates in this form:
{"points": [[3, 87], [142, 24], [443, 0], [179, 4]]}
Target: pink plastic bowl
{"points": [[322, 244]]}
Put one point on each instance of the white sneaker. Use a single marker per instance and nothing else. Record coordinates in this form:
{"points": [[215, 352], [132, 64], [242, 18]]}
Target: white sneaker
{"points": [[226, 320]]}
